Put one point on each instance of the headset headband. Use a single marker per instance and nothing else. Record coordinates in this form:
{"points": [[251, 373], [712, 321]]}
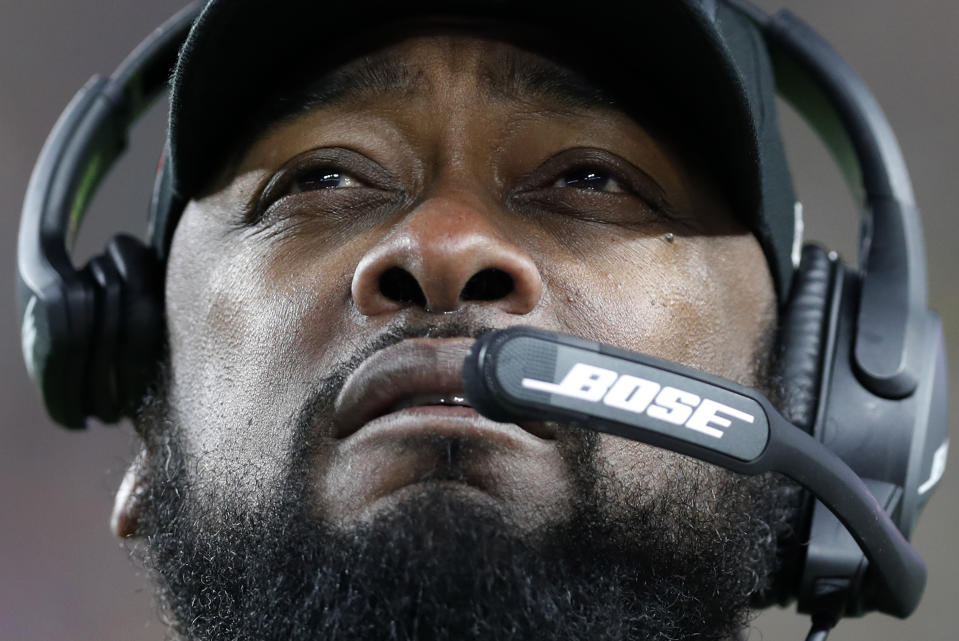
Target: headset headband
{"points": [[836, 103], [54, 298]]}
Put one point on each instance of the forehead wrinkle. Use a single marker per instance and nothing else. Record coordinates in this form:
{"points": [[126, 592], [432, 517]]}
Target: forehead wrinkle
{"points": [[517, 76], [508, 76], [372, 75]]}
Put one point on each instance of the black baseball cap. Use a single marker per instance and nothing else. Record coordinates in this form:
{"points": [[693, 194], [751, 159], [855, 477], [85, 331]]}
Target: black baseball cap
{"points": [[702, 62]]}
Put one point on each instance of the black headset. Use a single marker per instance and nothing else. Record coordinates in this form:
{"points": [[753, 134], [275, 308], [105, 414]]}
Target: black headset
{"points": [[863, 356]]}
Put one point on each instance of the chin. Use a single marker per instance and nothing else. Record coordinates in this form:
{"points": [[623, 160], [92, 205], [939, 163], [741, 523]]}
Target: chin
{"points": [[524, 481]]}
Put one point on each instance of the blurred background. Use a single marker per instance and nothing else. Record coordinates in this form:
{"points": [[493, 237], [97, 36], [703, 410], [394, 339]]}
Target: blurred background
{"points": [[64, 577]]}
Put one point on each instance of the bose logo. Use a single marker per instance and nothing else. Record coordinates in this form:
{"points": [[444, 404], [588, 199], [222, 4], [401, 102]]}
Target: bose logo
{"points": [[638, 395]]}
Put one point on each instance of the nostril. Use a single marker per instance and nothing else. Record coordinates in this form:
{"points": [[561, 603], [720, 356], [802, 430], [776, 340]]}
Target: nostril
{"points": [[488, 284], [399, 285]]}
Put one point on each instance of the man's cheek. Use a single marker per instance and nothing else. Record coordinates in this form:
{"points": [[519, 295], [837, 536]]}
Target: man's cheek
{"points": [[653, 306], [236, 394], [633, 473], [244, 364]]}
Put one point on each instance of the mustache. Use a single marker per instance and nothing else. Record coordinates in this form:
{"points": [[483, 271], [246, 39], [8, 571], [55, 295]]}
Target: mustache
{"points": [[319, 402]]}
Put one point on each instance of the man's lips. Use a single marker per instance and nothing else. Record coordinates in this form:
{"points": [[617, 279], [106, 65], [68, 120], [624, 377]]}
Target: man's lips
{"points": [[421, 376]]}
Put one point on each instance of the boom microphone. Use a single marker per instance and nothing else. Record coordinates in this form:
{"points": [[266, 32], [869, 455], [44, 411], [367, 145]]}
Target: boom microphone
{"points": [[523, 373]]}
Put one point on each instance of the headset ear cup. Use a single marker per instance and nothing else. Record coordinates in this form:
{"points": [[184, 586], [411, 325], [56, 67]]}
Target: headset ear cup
{"points": [[139, 336], [57, 325], [100, 383], [802, 340], [803, 336]]}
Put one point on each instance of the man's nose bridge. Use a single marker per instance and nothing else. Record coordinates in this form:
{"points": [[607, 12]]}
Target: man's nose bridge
{"points": [[446, 228], [451, 249]]}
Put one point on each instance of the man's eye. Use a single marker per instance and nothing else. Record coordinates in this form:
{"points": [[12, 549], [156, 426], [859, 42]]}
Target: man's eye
{"points": [[589, 179], [323, 178]]}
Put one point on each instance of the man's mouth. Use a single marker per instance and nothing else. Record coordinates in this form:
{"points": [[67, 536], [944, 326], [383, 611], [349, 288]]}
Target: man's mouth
{"points": [[419, 380], [451, 400]]}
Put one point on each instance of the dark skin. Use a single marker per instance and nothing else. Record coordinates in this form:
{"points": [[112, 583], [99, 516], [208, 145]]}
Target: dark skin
{"points": [[602, 228]]}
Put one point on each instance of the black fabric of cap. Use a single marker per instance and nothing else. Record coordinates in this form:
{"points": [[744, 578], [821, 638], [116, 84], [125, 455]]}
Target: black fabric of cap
{"points": [[700, 59]]}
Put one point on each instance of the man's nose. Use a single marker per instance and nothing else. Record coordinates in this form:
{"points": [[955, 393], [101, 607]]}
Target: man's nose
{"points": [[445, 254]]}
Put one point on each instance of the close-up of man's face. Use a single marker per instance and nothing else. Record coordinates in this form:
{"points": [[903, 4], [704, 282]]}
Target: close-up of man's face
{"points": [[478, 320], [320, 299]]}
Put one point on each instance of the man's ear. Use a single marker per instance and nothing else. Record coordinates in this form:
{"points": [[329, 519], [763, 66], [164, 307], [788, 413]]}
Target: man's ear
{"points": [[130, 499]]}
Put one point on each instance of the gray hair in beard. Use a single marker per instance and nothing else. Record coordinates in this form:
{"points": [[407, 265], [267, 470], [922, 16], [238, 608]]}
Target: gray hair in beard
{"points": [[437, 567]]}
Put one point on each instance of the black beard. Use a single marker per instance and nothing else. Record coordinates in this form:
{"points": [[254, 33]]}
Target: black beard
{"points": [[440, 567]]}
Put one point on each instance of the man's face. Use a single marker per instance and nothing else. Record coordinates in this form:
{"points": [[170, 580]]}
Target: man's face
{"points": [[321, 297]]}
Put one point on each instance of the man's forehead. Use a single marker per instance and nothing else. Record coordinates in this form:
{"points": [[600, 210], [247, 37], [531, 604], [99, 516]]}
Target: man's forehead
{"points": [[498, 70]]}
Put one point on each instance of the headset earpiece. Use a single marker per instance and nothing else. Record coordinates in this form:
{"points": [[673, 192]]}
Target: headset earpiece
{"points": [[94, 344], [91, 336], [140, 326], [863, 355], [100, 351], [803, 335]]}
